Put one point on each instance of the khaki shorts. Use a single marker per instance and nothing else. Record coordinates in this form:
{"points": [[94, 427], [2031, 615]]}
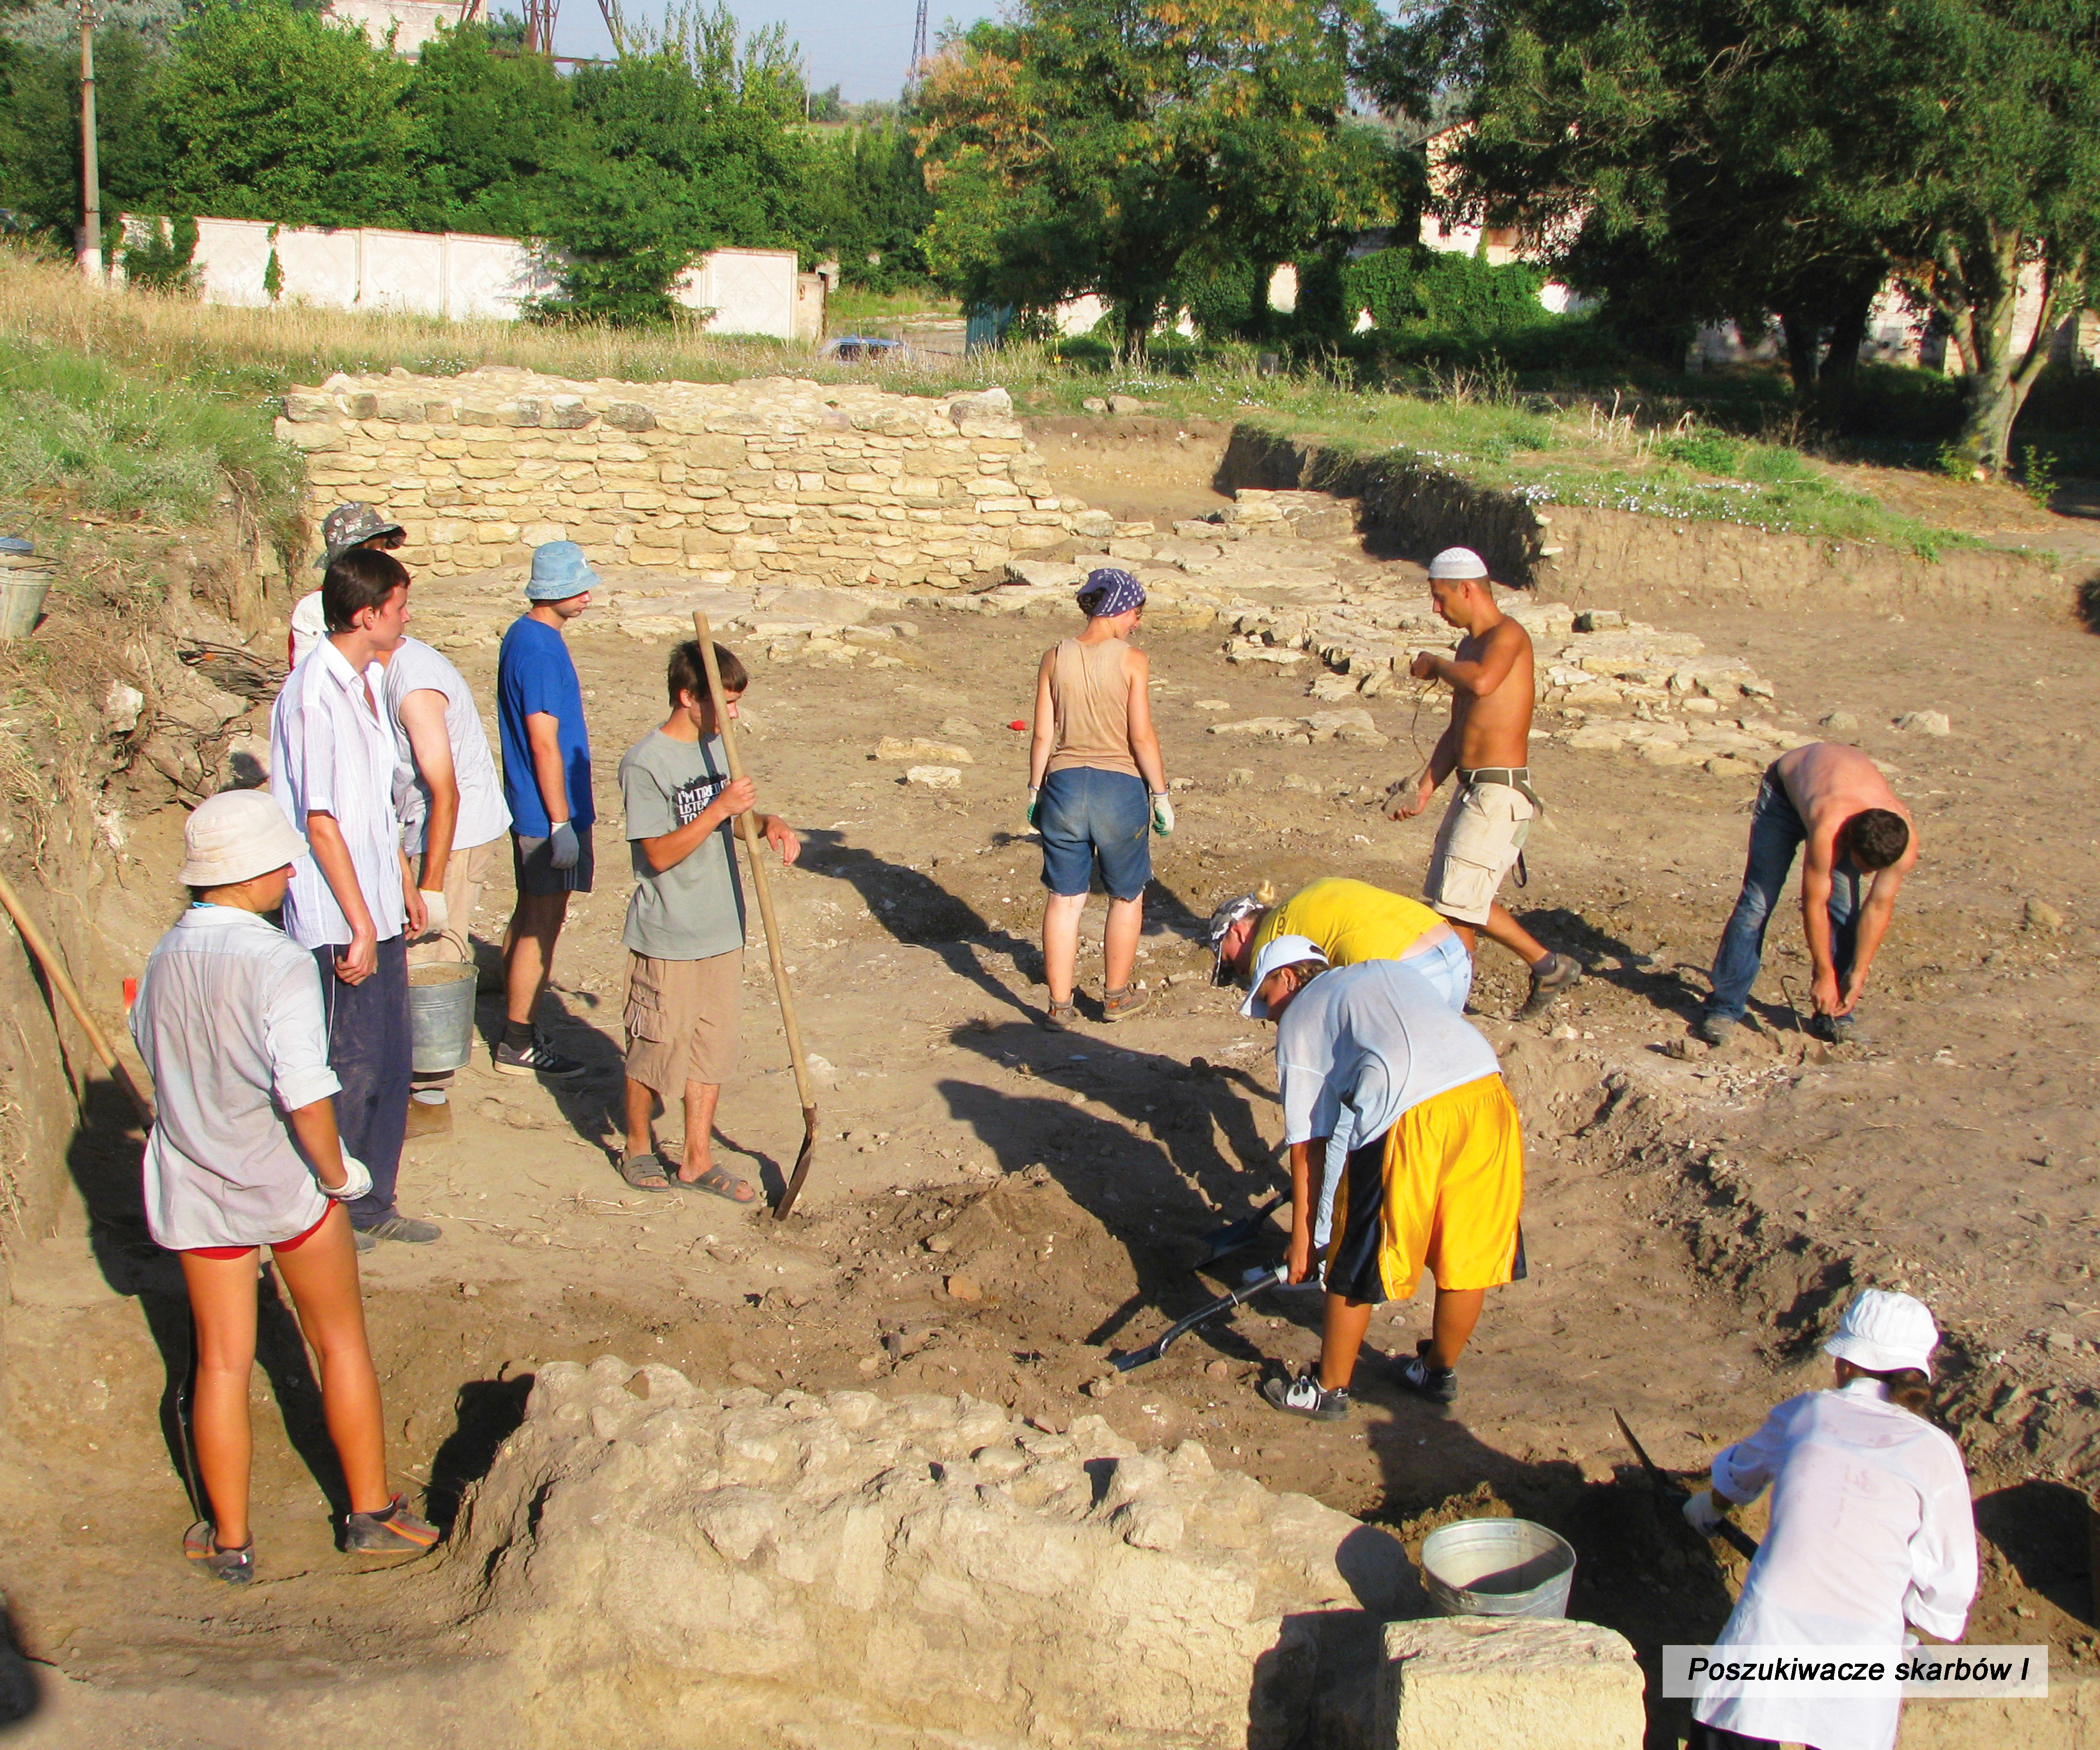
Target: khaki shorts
{"points": [[466, 874], [682, 1020], [1482, 836]]}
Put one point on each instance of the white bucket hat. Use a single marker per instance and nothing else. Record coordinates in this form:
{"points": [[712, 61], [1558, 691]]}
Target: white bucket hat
{"points": [[1885, 1332], [1286, 950], [234, 835], [1458, 561]]}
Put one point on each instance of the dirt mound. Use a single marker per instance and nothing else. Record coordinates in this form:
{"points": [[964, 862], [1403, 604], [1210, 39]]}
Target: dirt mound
{"points": [[929, 1562]]}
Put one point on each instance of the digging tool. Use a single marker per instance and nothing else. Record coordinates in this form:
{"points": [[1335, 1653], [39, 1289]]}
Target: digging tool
{"points": [[754, 853], [1152, 1351], [1676, 1494], [32, 938], [1230, 1238], [61, 981]]}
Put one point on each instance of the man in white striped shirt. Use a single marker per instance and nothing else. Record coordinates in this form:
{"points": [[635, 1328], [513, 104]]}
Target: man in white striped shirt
{"points": [[353, 901]]}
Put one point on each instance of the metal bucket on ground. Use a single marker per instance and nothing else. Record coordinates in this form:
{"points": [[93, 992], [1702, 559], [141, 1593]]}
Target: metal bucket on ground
{"points": [[1498, 1567], [440, 1016], [24, 580]]}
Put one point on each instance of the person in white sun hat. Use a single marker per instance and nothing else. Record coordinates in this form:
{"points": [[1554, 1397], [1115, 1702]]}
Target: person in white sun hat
{"points": [[243, 1154], [1871, 1530], [1487, 745]]}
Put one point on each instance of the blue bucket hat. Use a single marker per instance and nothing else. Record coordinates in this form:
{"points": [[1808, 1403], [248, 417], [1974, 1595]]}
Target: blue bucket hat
{"points": [[559, 570]]}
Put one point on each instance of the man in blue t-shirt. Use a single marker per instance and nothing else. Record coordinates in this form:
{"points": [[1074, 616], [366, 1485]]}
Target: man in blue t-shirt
{"points": [[547, 784]]}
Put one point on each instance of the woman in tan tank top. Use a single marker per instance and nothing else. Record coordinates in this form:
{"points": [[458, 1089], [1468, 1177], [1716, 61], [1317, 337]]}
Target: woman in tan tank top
{"points": [[1095, 785]]}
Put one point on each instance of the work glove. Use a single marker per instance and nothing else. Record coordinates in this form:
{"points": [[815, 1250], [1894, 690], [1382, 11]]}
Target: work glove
{"points": [[434, 917], [1702, 1513], [1162, 814], [563, 849], [354, 1186], [1034, 805]]}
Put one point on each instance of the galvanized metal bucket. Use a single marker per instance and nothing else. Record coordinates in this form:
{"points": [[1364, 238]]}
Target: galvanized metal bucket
{"points": [[1498, 1567], [441, 1016]]}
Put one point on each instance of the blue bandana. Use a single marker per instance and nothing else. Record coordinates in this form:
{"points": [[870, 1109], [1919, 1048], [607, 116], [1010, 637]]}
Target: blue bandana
{"points": [[1108, 592]]}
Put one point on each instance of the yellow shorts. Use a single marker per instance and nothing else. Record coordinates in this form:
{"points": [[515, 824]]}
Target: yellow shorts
{"points": [[1444, 1187]]}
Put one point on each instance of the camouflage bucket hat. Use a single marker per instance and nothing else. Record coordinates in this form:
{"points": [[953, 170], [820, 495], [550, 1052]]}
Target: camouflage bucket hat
{"points": [[349, 525]]}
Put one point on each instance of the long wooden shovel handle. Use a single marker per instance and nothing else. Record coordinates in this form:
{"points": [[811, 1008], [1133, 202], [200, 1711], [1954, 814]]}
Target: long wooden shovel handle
{"points": [[747, 822], [54, 970]]}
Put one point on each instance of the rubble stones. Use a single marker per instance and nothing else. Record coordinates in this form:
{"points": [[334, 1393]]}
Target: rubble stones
{"points": [[935, 777], [892, 747], [929, 1560], [1925, 723]]}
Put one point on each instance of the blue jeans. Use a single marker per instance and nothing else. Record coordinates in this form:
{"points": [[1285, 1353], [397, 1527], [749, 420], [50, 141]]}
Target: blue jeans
{"points": [[368, 1049], [1084, 813], [1777, 831]]}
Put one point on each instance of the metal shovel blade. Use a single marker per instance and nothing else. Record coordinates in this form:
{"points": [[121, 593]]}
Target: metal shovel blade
{"points": [[1229, 1239], [802, 1166]]}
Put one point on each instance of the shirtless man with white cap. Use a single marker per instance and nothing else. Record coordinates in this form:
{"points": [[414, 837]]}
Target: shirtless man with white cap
{"points": [[1488, 745]]}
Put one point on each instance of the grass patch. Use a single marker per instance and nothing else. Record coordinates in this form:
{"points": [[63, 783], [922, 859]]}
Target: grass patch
{"points": [[851, 308], [1579, 444]]}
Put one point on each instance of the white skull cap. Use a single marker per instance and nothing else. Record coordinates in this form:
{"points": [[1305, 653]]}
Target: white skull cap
{"points": [[1883, 1332], [1458, 561]]}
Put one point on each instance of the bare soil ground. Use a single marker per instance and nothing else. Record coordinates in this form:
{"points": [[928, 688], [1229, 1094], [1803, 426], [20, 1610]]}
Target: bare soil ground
{"points": [[1690, 1218]]}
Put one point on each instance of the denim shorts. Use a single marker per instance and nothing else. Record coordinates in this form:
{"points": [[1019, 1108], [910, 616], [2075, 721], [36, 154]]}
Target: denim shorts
{"points": [[1084, 812]]}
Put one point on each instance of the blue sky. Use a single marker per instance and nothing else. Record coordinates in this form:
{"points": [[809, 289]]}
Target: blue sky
{"points": [[861, 46]]}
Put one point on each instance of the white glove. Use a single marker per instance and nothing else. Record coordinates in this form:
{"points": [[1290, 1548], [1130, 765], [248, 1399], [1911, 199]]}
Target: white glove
{"points": [[1702, 1513], [563, 849], [1162, 814], [1032, 806], [434, 917], [354, 1186]]}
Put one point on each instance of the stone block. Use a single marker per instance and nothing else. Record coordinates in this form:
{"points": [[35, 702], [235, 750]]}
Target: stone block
{"points": [[630, 415], [1518, 1683], [893, 747]]}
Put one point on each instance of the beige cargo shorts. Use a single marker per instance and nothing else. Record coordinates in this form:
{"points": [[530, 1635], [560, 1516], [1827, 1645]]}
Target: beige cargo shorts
{"points": [[1481, 838]]}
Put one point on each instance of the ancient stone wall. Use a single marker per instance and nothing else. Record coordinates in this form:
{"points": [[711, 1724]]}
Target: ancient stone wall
{"points": [[820, 482]]}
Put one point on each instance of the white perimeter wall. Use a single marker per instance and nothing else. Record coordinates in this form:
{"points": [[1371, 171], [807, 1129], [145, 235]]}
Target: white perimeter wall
{"points": [[457, 275]]}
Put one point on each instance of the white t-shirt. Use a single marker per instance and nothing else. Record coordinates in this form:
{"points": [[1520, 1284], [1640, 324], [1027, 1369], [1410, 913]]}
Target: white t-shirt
{"points": [[1356, 1048], [415, 667], [1871, 1528]]}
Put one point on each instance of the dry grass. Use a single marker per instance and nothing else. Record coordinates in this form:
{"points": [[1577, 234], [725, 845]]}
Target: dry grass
{"points": [[263, 351]]}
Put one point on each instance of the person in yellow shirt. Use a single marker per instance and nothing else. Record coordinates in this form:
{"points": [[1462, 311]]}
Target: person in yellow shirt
{"points": [[1351, 922]]}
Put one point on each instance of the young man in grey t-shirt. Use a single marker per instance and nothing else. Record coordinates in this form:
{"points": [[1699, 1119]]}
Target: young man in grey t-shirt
{"points": [[685, 924]]}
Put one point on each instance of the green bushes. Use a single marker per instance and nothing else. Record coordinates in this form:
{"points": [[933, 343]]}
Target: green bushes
{"points": [[130, 448], [1413, 291], [161, 260]]}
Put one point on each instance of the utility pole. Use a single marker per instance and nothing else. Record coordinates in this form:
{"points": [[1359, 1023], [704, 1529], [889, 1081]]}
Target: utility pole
{"points": [[919, 42], [91, 170]]}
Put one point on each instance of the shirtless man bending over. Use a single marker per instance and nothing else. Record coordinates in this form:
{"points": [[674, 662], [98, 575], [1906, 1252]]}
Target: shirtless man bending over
{"points": [[1488, 745], [1833, 798]]}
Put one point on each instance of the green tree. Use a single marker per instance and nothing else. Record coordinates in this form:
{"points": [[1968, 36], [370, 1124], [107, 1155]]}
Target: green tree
{"points": [[685, 143], [40, 129], [1097, 145], [866, 204], [278, 114], [497, 130], [1700, 159]]}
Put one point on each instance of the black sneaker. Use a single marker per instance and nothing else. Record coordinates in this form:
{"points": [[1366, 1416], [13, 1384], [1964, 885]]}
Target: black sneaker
{"points": [[236, 1567], [1556, 974], [1305, 1396], [404, 1228], [1440, 1385], [537, 1059]]}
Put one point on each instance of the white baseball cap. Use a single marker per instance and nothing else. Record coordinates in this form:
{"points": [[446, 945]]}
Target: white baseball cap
{"points": [[234, 835], [1884, 1332], [1285, 950], [1458, 561]]}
